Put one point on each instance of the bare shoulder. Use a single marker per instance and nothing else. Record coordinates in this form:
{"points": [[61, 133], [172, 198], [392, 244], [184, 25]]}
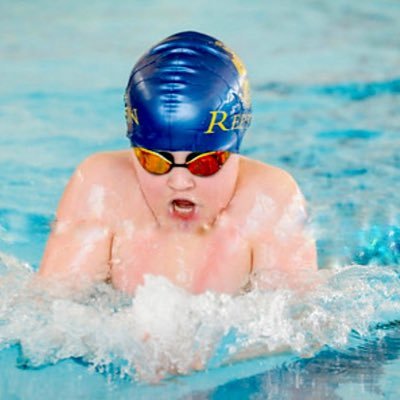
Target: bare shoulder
{"points": [[108, 163], [276, 219], [96, 183], [258, 178]]}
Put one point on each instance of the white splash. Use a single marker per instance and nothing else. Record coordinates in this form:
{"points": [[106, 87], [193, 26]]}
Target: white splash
{"points": [[165, 330]]}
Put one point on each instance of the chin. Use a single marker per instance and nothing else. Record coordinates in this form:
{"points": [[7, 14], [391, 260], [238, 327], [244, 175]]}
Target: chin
{"points": [[193, 221]]}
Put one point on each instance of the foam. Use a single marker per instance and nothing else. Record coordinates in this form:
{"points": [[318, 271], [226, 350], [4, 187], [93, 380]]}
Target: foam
{"points": [[263, 209], [88, 238], [293, 217], [165, 330], [96, 200]]}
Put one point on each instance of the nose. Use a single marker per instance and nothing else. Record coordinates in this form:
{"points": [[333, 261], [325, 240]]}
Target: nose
{"points": [[180, 179]]}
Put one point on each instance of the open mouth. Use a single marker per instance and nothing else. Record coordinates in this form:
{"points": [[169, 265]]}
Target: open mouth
{"points": [[183, 208]]}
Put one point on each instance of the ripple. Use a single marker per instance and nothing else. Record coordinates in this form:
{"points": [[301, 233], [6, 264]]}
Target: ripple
{"points": [[349, 134], [360, 91], [355, 91]]}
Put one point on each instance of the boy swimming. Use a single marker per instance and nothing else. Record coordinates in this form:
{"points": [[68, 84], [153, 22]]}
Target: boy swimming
{"points": [[182, 202]]}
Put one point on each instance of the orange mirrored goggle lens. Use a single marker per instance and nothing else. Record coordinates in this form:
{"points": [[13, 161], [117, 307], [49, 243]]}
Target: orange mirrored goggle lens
{"points": [[203, 164]]}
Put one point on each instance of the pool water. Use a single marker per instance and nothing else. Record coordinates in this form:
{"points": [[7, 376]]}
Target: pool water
{"points": [[326, 95]]}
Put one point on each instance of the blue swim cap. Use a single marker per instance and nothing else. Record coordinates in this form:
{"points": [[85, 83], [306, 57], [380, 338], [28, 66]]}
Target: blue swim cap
{"points": [[188, 93]]}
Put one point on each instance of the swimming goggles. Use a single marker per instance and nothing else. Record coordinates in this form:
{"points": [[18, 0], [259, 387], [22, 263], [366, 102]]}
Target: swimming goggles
{"points": [[199, 164]]}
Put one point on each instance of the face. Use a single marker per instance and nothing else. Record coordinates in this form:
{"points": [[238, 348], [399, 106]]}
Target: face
{"points": [[179, 199]]}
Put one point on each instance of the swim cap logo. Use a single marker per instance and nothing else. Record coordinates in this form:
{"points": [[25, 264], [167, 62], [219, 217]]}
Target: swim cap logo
{"points": [[131, 115], [239, 121], [242, 72]]}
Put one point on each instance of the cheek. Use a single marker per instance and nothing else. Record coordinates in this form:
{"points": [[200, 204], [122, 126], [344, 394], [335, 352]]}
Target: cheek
{"points": [[155, 191], [219, 188], [152, 186]]}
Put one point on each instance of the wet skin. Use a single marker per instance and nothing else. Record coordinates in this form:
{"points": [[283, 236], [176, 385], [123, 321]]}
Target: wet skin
{"points": [[116, 222]]}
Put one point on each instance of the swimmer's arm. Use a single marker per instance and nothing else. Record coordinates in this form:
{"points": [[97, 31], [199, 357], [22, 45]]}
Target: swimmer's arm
{"points": [[284, 251], [78, 249], [77, 253]]}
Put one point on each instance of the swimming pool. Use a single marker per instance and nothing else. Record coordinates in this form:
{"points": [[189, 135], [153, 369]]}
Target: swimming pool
{"points": [[326, 107]]}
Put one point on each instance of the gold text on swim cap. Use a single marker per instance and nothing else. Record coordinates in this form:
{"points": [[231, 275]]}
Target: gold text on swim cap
{"points": [[218, 118], [131, 114], [239, 121]]}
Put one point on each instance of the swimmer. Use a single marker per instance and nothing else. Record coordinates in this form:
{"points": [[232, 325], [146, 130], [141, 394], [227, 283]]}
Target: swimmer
{"points": [[182, 202]]}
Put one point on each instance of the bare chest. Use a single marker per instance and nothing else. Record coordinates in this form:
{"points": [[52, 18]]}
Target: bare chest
{"points": [[218, 261]]}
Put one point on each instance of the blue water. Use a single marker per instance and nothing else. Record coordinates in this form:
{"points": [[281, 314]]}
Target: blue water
{"points": [[326, 93]]}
